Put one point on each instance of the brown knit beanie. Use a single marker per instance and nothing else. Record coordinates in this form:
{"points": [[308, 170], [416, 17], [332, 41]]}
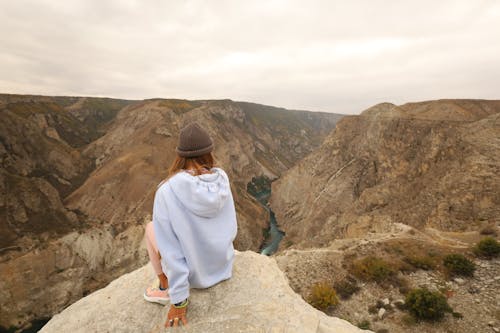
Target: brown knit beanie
{"points": [[193, 141]]}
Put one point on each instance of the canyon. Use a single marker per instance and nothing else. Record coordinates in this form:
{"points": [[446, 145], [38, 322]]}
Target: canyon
{"points": [[79, 174], [400, 182]]}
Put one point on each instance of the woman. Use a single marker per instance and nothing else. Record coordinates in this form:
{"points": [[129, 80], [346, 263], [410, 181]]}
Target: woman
{"points": [[190, 240]]}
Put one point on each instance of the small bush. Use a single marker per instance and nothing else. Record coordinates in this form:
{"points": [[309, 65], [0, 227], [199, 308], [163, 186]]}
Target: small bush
{"points": [[427, 305], [488, 248], [323, 296], [458, 264], [422, 262], [364, 325], [346, 287], [372, 269]]}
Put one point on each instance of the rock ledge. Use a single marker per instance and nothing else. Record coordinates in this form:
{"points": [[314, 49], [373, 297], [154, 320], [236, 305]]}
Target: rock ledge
{"points": [[256, 299]]}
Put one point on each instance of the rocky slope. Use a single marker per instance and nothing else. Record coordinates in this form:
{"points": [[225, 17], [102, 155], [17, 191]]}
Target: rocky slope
{"points": [[78, 177], [475, 298], [256, 298], [430, 165], [407, 184], [40, 150]]}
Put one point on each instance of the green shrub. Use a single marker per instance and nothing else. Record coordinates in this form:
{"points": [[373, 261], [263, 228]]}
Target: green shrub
{"points": [[427, 305], [364, 324], [372, 269], [323, 296], [458, 264], [488, 248], [346, 287]]}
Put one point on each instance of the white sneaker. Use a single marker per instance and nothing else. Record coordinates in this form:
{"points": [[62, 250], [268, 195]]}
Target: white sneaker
{"points": [[156, 295]]}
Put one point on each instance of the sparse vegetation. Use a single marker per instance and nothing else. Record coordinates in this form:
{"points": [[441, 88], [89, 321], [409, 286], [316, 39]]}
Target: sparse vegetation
{"points": [[346, 288], [424, 304], [421, 262], [458, 264], [323, 296], [373, 269], [487, 248], [406, 255]]}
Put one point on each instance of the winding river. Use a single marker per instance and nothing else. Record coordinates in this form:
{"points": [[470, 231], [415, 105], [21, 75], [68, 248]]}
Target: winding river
{"points": [[260, 189]]}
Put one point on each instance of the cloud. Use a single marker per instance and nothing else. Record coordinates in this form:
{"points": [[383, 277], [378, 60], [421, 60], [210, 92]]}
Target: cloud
{"points": [[318, 55]]}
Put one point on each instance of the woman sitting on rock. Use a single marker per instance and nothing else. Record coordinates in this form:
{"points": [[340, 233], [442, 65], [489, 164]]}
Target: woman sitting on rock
{"points": [[190, 240]]}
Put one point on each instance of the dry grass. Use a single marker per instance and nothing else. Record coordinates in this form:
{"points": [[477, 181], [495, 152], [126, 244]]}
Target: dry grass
{"points": [[323, 296]]}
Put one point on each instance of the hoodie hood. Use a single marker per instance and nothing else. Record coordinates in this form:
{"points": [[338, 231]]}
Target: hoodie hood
{"points": [[204, 195]]}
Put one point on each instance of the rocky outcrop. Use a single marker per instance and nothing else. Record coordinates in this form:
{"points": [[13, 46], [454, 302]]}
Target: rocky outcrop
{"points": [[256, 298], [428, 165]]}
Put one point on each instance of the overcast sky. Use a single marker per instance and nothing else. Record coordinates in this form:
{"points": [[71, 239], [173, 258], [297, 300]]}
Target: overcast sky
{"points": [[336, 56]]}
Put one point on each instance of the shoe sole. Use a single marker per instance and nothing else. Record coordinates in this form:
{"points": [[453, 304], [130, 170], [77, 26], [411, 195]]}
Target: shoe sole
{"points": [[158, 300]]}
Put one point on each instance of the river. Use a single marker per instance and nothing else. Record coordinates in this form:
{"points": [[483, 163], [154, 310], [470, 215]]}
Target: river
{"points": [[260, 189]]}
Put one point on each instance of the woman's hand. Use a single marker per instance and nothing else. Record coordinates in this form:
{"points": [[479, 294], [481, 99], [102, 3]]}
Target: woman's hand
{"points": [[177, 314]]}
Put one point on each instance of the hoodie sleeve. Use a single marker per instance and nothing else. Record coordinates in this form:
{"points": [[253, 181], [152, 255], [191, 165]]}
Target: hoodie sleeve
{"points": [[172, 258]]}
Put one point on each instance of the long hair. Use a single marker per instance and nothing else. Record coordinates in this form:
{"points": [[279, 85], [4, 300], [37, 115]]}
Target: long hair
{"points": [[197, 163]]}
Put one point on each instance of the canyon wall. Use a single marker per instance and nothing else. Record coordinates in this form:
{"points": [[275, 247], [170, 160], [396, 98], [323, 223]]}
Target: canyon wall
{"points": [[427, 165]]}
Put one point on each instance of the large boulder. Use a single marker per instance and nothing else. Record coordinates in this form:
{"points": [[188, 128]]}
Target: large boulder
{"points": [[256, 299]]}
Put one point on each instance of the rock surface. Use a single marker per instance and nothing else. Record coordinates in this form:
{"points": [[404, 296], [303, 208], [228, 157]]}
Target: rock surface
{"points": [[256, 299]]}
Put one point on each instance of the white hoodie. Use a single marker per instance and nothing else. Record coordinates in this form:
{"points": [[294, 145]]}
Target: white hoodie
{"points": [[194, 220]]}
